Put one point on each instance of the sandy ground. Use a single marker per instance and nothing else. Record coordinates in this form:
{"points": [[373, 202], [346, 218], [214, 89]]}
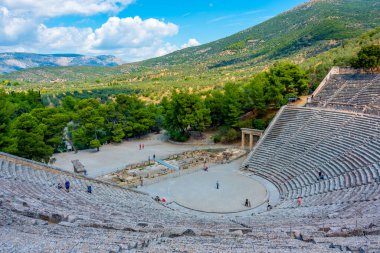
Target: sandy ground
{"points": [[198, 190], [302, 102], [113, 157]]}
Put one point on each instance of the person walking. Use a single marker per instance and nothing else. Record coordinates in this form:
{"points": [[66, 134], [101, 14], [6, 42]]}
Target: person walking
{"points": [[217, 184], [299, 201], [67, 185], [89, 189], [269, 207]]}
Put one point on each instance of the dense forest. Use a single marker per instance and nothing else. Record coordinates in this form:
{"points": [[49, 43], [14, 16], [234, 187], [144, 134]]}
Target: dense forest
{"points": [[31, 129]]}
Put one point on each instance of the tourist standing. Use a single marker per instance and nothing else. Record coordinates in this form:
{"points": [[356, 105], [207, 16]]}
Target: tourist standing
{"points": [[299, 201], [67, 185], [269, 207]]}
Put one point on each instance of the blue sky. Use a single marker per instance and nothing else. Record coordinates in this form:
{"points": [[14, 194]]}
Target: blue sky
{"points": [[130, 29]]}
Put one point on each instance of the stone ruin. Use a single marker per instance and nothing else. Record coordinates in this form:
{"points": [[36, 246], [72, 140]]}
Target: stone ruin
{"points": [[78, 167]]}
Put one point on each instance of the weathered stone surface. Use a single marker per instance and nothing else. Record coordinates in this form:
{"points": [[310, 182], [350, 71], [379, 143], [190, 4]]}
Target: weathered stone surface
{"points": [[55, 218], [243, 230], [237, 232], [73, 218], [43, 216], [189, 232], [66, 224]]}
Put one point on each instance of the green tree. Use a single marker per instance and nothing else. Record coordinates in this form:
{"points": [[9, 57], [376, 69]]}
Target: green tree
{"points": [[95, 144], [114, 121], [291, 76], [28, 136], [117, 133], [139, 118], [186, 112], [274, 92], [226, 105], [284, 79], [254, 98], [69, 103], [214, 102], [89, 124], [232, 105], [7, 109], [367, 58], [55, 120]]}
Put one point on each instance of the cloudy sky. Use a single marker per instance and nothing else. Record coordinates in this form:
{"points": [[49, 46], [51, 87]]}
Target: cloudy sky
{"points": [[130, 29]]}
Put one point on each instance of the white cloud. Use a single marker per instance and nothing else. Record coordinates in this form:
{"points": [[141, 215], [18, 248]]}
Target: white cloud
{"points": [[22, 29], [132, 39], [54, 8], [131, 32], [142, 53], [68, 39], [191, 43], [13, 28]]}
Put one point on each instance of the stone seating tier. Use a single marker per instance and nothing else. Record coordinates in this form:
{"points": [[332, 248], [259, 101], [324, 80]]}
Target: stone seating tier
{"points": [[352, 92]]}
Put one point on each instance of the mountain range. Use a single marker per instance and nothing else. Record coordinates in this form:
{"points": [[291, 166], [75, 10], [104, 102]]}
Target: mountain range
{"points": [[10, 62]]}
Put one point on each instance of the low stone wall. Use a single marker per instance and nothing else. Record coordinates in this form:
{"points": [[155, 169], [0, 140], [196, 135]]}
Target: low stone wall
{"points": [[191, 143]]}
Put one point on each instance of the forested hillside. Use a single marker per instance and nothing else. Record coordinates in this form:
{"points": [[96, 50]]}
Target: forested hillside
{"points": [[315, 26], [30, 129], [299, 34]]}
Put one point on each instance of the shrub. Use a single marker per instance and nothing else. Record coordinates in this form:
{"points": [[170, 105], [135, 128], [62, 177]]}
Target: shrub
{"points": [[259, 124], [216, 138], [244, 124], [178, 136], [230, 135]]}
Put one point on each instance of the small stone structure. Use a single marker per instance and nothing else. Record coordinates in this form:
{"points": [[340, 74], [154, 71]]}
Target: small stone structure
{"points": [[78, 167], [251, 133]]}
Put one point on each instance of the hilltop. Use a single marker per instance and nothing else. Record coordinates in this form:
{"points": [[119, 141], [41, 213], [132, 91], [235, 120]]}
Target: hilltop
{"points": [[298, 35], [309, 29]]}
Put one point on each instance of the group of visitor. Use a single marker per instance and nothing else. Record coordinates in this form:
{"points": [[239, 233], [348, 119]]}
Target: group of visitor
{"points": [[158, 199], [67, 187]]}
